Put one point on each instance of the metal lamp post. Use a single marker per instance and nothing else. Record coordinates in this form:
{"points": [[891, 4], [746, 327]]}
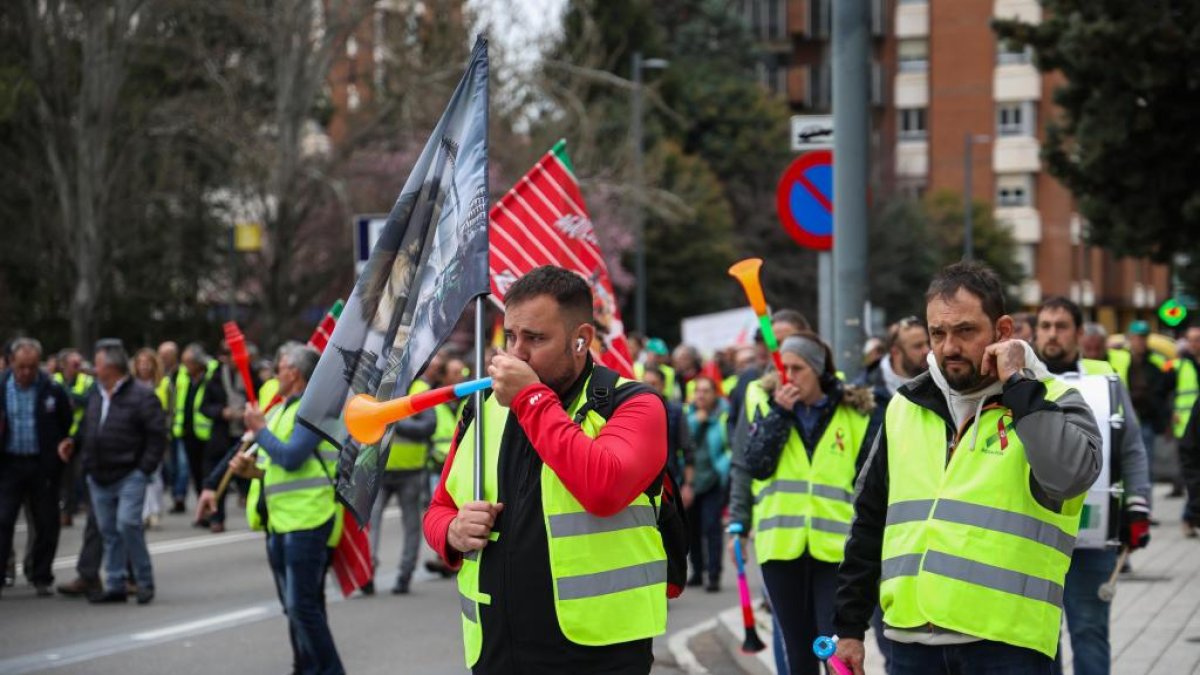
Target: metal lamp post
{"points": [[639, 225]]}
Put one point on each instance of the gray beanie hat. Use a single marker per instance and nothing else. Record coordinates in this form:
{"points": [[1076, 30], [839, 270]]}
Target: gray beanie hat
{"points": [[808, 349]]}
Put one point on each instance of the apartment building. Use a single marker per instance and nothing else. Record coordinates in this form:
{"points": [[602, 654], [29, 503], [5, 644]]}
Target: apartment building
{"points": [[946, 92]]}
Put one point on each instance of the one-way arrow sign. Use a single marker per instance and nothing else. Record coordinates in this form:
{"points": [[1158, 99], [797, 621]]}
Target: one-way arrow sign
{"points": [[812, 132]]}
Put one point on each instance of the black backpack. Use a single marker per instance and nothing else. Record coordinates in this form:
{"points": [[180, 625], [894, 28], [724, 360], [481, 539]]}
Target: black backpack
{"points": [[604, 396]]}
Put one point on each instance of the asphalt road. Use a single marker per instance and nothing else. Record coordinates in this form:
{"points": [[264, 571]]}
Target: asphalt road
{"points": [[216, 613]]}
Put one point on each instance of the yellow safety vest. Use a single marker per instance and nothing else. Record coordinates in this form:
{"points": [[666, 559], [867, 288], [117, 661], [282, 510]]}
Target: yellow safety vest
{"points": [[609, 574], [668, 378], [201, 424], [83, 382], [296, 500], [405, 454], [443, 435], [729, 384], [966, 546], [1120, 359], [163, 391], [808, 505], [1186, 386], [267, 392], [1094, 367]]}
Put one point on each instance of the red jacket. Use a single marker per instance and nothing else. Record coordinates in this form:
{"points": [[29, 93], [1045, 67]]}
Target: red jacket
{"points": [[605, 474]]}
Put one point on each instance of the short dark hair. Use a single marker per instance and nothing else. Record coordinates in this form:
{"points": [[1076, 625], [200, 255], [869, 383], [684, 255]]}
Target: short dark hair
{"points": [[567, 288], [977, 279], [1059, 302], [793, 317]]}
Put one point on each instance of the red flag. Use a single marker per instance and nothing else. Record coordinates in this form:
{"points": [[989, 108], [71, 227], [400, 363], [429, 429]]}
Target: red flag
{"points": [[543, 221], [352, 557]]}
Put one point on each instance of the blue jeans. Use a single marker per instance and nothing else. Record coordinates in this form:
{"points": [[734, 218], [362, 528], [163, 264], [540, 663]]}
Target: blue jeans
{"points": [[1087, 614], [176, 467], [1148, 437], [118, 508], [299, 561], [974, 658]]}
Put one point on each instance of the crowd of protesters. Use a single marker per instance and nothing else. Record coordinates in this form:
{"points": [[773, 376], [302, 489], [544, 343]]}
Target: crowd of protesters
{"points": [[122, 441]]}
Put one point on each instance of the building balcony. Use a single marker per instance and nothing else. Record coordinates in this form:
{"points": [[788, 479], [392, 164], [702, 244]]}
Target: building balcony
{"points": [[1028, 11], [912, 20], [1024, 222], [911, 90], [1016, 154], [912, 159], [1031, 292], [1016, 82]]}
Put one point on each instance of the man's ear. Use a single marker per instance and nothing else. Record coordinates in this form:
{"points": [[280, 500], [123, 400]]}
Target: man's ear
{"points": [[585, 332], [1004, 328]]}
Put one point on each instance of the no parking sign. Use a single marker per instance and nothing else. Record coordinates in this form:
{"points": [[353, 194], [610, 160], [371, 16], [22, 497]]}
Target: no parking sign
{"points": [[804, 200]]}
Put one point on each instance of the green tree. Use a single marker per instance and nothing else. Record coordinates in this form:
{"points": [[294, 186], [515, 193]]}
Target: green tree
{"points": [[911, 240], [1126, 143]]}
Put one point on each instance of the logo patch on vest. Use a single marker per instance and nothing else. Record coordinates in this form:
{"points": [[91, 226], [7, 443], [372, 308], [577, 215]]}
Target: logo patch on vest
{"points": [[840, 440], [999, 443]]}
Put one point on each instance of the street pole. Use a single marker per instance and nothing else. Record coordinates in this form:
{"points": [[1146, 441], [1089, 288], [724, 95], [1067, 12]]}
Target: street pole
{"points": [[825, 296], [968, 226], [639, 224], [851, 85]]}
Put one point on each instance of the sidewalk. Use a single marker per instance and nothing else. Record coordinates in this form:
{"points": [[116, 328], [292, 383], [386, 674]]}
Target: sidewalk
{"points": [[1156, 615], [1155, 621]]}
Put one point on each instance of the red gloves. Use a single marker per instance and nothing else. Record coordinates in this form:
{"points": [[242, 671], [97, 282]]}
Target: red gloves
{"points": [[1135, 523]]}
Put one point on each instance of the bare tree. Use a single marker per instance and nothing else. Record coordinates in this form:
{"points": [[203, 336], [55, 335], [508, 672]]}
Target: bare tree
{"points": [[77, 110]]}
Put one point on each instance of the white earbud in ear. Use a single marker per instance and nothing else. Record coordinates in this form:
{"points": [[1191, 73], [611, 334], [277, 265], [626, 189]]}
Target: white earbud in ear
{"points": [[579, 345]]}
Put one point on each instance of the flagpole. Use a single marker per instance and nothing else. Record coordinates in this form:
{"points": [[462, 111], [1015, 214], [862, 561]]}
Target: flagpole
{"points": [[479, 400]]}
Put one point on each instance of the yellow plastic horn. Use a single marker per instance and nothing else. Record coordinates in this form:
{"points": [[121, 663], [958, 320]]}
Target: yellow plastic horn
{"points": [[747, 273], [366, 418]]}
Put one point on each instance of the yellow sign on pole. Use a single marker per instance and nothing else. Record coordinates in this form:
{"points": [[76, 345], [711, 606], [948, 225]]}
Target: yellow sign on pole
{"points": [[247, 237]]}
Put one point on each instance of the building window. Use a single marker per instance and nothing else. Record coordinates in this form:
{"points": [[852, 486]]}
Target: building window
{"points": [[1015, 119], [913, 190], [776, 19], [773, 75], [1014, 190], [1010, 54], [912, 124], [913, 55], [767, 19], [1026, 257]]}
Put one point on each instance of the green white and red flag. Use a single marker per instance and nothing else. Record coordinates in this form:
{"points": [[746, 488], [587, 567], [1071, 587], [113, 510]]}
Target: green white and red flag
{"points": [[543, 221]]}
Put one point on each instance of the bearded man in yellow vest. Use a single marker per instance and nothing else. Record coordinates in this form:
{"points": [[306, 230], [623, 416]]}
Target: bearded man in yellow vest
{"points": [[563, 569], [967, 509], [1060, 333], [292, 497]]}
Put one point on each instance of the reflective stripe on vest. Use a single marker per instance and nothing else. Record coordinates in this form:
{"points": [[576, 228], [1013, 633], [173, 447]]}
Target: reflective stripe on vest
{"points": [[1186, 388], [609, 574], [807, 504], [965, 541], [443, 435], [302, 499], [405, 454]]}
